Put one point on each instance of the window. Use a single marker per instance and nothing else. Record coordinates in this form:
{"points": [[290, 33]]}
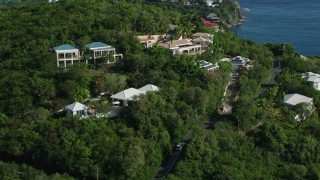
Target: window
{"points": [[60, 56], [68, 55]]}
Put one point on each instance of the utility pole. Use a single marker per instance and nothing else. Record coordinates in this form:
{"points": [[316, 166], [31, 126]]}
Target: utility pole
{"points": [[196, 119], [97, 172]]}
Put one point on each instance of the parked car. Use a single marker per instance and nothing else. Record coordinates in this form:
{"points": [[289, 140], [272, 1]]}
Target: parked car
{"points": [[180, 146]]}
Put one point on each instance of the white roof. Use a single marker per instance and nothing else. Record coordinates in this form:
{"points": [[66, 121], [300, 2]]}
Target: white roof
{"points": [[208, 65], [315, 79], [311, 77], [149, 87], [294, 99], [76, 107], [127, 94]]}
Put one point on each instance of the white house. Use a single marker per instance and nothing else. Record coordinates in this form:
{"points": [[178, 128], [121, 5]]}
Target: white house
{"points": [[292, 100], [313, 79], [67, 55], [208, 65], [99, 50], [124, 96], [149, 40], [149, 87], [77, 109], [182, 46], [131, 94], [239, 62]]}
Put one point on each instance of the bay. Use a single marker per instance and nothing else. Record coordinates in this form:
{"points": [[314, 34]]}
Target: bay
{"points": [[286, 21]]}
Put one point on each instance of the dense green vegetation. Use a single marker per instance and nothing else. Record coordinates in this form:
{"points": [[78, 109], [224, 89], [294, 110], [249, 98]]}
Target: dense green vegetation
{"points": [[133, 145], [14, 171], [262, 140]]}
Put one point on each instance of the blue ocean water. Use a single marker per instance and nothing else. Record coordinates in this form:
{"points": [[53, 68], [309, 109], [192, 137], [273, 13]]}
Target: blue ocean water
{"points": [[283, 21]]}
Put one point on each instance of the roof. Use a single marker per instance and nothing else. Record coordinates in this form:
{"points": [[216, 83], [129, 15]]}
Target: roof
{"points": [[155, 37], [64, 47], [173, 27], [209, 24], [314, 79], [294, 99], [76, 107], [203, 35], [176, 43], [149, 87], [311, 77], [208, 65], [127, 94], [239, 59], [211, 15], [97, 45], [199, 39]]}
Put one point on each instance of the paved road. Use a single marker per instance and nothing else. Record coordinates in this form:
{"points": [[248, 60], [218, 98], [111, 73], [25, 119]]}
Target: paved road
{"points": [[164, 171], [171, 160], [271, 81]]}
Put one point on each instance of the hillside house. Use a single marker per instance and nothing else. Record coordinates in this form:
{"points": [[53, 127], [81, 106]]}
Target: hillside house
{"points": [[77, 109], [67, 55], [131, 94], [239, 62], [182, 46], [313, 79], [100, 50], [149, 40], [204, 39], [208, 65], [209, 24], [292, 100]]}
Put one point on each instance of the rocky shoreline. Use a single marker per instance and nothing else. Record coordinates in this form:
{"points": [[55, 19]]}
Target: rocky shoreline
{"points": [[239, 19]]}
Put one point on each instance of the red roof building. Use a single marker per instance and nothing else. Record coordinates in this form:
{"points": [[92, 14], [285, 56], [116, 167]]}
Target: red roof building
{"points": [[209, 24]]}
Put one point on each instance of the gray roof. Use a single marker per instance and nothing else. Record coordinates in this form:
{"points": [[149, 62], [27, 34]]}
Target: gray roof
{"points": [[64, 47], [208, 65], [76, 107], [314, 79], [149, 87], [127, 94], [294, 99], [239, 60]]}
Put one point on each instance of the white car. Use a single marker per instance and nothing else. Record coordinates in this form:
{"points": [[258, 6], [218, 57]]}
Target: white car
{"points": [[180, 146]]}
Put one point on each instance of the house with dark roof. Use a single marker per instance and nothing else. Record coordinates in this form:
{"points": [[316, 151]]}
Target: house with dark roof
{"points": [[67, 55], [99, 50]]}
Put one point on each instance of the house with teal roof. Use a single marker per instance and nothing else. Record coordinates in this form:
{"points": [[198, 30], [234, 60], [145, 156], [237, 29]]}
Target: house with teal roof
{"points": [[99, 50], [67, 55]]}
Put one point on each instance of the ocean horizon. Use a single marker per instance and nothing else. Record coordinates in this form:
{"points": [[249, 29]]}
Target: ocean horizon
{"points": [[287, 21]]}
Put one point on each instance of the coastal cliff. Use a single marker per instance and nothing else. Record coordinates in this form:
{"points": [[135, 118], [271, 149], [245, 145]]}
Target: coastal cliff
{"points": [[237, 17], [230, 11]]}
